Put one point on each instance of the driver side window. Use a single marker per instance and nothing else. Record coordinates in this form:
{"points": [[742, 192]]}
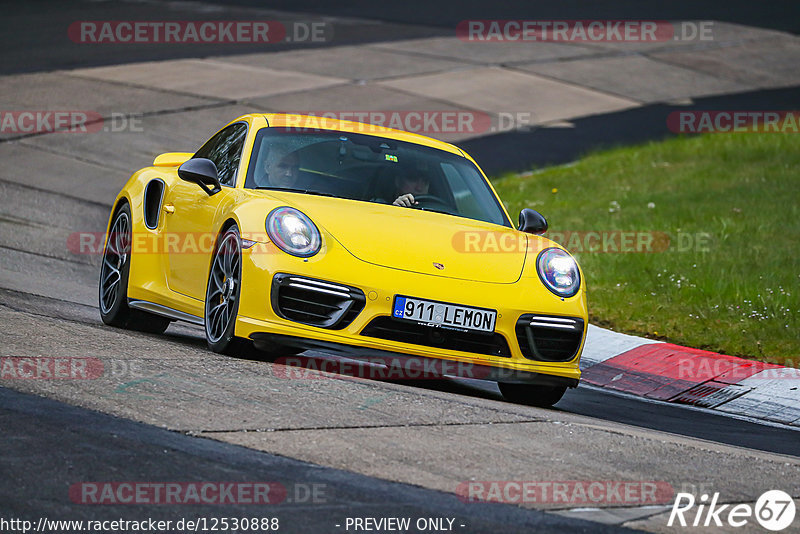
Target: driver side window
{"points": [[225, 150]]}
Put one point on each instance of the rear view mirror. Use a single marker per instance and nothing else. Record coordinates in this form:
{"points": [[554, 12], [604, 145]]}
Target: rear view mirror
{"points": [[203, 172]]}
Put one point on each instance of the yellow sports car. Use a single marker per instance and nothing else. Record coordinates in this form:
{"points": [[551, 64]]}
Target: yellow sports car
{"points": [[295, 232]]}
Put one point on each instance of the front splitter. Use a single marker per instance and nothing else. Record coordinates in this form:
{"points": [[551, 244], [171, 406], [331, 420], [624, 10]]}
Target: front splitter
{"points": [[405, 366]]}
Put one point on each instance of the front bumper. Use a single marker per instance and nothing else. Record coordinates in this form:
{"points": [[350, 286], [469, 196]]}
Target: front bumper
{"points": [[258, 320]]}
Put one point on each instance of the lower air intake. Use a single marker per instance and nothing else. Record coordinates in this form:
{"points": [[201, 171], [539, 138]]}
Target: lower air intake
{"points": [[548, 338], [315, 302]]}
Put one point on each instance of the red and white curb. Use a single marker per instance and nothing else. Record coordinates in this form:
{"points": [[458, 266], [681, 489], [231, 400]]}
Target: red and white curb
{"points": [[671, 373]]}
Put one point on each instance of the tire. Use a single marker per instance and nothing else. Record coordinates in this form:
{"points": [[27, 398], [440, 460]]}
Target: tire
{"points": [[541, 396], [222, 295], [113, 283]]}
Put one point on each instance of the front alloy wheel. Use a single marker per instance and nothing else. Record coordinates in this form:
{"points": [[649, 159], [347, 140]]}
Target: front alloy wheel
{"points": [[222, 294]]}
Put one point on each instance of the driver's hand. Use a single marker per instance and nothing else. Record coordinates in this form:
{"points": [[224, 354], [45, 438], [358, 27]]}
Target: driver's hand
{"points": [[405, 201]]}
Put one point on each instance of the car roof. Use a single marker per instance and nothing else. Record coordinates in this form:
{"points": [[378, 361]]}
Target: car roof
{"points": [[313, 122]]}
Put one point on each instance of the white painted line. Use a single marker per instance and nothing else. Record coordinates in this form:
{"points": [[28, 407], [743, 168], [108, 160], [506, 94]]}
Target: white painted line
{"points": [[612, 515]]}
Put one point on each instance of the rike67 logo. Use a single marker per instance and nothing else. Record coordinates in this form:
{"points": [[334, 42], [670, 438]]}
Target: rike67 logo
{"points": [[774, 510]]}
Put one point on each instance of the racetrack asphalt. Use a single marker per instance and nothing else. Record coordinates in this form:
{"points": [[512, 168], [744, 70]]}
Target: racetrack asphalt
{"points": [[39, 467]]}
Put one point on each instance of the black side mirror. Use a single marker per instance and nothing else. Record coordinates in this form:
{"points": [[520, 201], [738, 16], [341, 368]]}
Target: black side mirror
{"points": [[532, 222], [202, 172]]}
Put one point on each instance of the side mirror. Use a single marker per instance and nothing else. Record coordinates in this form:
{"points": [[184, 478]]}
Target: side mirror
{"points": [[532, 222], [203, 172]]}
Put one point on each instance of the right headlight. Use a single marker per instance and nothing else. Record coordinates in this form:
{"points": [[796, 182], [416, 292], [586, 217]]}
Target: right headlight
{"points": [[293, 232], [559, 272]]}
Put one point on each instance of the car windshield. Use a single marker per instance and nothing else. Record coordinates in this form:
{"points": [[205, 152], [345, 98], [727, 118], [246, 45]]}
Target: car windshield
{"points": [[371, 169]]}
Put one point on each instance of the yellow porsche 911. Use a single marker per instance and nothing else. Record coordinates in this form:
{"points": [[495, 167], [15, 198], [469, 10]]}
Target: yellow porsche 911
{"points": [[295, 233]]}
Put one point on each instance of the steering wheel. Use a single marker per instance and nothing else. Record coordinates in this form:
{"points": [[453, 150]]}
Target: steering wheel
{"points": [[432, 199]]}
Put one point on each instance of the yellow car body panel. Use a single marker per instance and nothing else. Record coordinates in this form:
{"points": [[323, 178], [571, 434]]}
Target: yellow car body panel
{"points": [[383, 250], [172, 159]]}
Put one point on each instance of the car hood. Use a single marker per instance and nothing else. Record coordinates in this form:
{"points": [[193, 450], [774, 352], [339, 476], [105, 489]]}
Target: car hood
{"points": [[417, 241]]}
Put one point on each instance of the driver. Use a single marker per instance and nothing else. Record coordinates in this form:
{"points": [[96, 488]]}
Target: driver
{"points": [[281, 167], [407, 186]]}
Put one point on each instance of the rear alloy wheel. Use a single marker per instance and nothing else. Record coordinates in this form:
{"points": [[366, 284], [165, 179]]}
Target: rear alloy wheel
{"points": [[222, 295], [541, 396], [113, 284]]}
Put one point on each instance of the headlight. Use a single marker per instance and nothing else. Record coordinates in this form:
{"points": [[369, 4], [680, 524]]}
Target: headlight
{"points": [[558, 272], [293, 232]]}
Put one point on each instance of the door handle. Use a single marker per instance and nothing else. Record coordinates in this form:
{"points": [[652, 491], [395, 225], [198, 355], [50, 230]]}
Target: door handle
{"points": [[169, 208]]}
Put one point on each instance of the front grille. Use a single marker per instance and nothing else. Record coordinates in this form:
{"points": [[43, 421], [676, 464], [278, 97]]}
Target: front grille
{"points": [[315, 302], [407, 332], [549, 339]]}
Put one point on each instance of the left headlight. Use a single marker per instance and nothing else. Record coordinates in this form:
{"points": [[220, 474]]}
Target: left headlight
{"points": [[293, 232], [559, 272]]}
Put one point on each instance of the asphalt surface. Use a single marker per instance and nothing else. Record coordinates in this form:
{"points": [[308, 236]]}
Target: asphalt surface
{"points": [[360, 22], [537, 147], [781, 15], [54, 446], [50, 445], [675, 419], [585, 400], [32, 43]]}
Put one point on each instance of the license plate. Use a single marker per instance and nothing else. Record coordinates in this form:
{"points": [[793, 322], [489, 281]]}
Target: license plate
{"points": [[444, 315]]}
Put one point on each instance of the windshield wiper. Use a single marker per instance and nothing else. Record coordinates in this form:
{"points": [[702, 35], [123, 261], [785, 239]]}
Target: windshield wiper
{"points": [[295, 190]]}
